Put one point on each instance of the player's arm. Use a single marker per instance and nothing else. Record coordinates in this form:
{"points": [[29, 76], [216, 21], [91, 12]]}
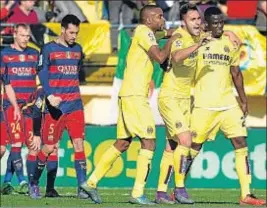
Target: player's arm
{"points": [[160, 55], [11, 94], [239, 85], [43, 68], [233, 38], [180, 54]]}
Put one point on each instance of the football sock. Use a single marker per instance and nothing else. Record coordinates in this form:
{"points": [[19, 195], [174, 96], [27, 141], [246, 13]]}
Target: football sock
{"points": [[143, 166], [190, 159], [180, 164], [41, 162], [17, 163], [243, 170], [80, 167], [52, 166], [166, 169], [9, 170], [31, 164], [104, 164]]}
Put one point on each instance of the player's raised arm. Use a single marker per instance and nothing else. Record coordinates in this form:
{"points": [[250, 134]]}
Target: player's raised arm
{"points": [[152, 17]]}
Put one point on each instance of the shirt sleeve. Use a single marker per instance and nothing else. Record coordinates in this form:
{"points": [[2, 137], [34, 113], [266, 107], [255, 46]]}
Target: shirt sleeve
{"points": [[178, 44], [146, 38], [43, 68]]}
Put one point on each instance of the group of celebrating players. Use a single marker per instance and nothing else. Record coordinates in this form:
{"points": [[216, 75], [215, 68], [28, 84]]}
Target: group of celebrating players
{"points": [[207, 59]]}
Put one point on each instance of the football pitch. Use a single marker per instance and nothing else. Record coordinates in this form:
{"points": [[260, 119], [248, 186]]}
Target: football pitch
{"points": [[113, 197]]}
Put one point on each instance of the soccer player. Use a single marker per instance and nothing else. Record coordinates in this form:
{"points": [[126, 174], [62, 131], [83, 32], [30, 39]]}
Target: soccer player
{"points": [[20, 61], [12, 98], [174, 103], [215, 104], [135, 116], [35, 107], [59, 75]]}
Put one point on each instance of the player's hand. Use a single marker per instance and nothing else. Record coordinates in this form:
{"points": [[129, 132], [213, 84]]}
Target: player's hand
{"points": [[54, 101], [205, 39], [233, 38], [17, 114], [36, 143], [244, 108]]}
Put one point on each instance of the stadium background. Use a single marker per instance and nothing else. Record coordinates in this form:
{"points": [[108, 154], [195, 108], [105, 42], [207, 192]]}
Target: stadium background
{"points": [[104, 68]]}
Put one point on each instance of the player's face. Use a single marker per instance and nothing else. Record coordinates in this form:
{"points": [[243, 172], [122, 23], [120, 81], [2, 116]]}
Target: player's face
{"points": [[28, 4], [215, 25], [22, 37], [192, 21], [70, 34], [158, 21]]}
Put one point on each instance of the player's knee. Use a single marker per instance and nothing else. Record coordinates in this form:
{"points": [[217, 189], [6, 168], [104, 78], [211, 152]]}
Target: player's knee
{"points": [[148, 144], [33, 152], [122, 145], [184, 139], [78, 145], [239, 142], [2, 151], [48, 149], [196, 146]]}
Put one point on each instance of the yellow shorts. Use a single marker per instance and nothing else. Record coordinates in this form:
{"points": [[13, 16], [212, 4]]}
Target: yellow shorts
{"points": [[176, 115], [206, 123], [135, 118]]}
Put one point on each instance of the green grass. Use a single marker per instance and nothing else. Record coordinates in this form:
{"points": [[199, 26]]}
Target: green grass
{"points": [[119, 197]]}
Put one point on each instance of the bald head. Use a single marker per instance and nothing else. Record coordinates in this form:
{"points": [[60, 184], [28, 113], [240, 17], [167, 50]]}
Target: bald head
{"points": [[147, 11]]}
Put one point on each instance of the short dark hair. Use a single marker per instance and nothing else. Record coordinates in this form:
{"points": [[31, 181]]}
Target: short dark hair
{"points": [[186, 8], [70, 19], [23, 25], [211, 11], [145, 9]]}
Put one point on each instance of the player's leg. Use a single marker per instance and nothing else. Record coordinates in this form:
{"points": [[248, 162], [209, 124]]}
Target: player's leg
{"points": [[140, 122], [17, 138], [111, 154], [233, 126], [51, 133], [4, 136], [165, 173], [52, 167]]}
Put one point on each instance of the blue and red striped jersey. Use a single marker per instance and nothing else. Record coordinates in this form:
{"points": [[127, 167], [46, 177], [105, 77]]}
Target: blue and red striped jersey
{"points": [[59, 67], [21, 69], [3, 81]]}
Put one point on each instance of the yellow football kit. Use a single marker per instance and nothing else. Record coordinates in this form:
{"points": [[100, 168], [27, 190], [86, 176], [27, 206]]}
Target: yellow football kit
{"points": [[215, 105], [135, 115], [174, 97]]}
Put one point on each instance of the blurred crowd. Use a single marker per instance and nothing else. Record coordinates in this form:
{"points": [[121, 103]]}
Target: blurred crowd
{"points": [[123, 12]]}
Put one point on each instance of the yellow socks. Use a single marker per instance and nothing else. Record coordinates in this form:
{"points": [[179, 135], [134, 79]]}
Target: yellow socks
{"points": [[180, 164], [107, 159], [243, 170], [143, 167], [166, 169]]}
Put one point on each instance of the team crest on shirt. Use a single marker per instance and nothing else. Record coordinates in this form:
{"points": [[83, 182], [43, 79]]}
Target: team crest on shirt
{"points": [[226, 49], [76, 55], [68, 55], [178, 125], [22, 57], [151, 36], [178, 43], [150, 130]]}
